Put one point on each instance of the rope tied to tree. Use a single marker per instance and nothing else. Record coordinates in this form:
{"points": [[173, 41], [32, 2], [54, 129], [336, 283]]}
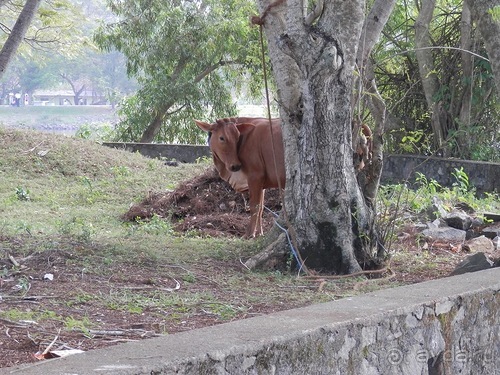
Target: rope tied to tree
{"points": [[256, 20]]}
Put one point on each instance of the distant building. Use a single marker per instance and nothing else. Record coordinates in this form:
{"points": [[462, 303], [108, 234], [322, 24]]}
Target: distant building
{"points": [[66, 97]]}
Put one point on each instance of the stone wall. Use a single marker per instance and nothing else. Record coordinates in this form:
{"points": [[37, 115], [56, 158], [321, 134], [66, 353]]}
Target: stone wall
{"points": [[397, 168], [447, 326]]}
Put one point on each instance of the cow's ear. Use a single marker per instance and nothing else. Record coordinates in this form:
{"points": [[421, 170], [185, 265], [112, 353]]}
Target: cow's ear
{"points": [[204, 126], [245, 128]]}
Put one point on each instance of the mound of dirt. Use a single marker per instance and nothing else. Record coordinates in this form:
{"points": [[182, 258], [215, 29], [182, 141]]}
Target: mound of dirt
{"points": [[205, 204]]}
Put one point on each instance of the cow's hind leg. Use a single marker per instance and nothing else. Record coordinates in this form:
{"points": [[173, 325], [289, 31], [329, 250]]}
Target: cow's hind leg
{"points": [[258, 227]]}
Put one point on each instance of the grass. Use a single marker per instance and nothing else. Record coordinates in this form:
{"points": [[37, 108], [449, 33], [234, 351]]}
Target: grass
{"points": [[55, 186]]}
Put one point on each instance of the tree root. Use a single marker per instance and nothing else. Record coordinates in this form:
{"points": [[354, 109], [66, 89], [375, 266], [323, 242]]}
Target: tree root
{"points": [[273, 256]]}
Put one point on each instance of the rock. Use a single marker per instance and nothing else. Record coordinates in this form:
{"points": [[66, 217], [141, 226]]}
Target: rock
{"points": [[420, 226], [172, 163], [491, 231], [479, 244], [437, 209], [438, 223], [496, 243], [458, 219], [467, 208], [473, 263], [445, 233], [477, 222]]}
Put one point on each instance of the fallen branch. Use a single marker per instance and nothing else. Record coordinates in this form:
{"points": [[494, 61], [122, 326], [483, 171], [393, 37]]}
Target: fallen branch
{"points": [[25, 298], [123, 332], [11, 324]]}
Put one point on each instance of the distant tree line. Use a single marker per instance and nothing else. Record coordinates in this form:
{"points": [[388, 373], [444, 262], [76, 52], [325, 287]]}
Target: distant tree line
{"points": [[53, 50]]}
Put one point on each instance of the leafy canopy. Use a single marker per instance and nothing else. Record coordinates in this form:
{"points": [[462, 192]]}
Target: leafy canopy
{"points": [[187, 57]]}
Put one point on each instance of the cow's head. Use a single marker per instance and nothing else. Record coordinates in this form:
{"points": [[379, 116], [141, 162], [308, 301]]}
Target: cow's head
{"points": [[224, 140]]}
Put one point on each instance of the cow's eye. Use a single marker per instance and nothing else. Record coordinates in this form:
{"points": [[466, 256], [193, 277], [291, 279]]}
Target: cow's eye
{"points": [[221, 139]]}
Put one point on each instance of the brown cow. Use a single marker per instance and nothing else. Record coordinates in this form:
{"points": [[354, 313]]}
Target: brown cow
{"points": [[248, 153]]}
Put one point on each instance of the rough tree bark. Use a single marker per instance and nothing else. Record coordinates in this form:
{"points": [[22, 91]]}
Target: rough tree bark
{"points": [[430, 81], [313, 60], [489, 26], [18, 32], [369, 177], [464, 117]]}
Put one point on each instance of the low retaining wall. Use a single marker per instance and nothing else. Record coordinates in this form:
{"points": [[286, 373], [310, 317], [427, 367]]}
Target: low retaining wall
{"points": [[397, 168], [446, 326], [485, 177]]}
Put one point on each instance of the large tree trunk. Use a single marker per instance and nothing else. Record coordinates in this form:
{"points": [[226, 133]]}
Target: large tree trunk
{"points": [[430, 81], [488, 23], [313, 66], [464, 116], [154, 127], [369, 176], [18, 32]]}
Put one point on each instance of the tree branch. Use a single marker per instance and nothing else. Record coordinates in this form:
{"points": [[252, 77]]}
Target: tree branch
{"points": [[18, 32]]}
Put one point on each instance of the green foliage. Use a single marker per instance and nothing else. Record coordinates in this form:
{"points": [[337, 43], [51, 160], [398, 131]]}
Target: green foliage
{"points": [[495, 13], [59, 45], [22, 194], [156, 225], [415, 142], [77, 228], [462, 181], [80, 325], [428, 186], [96, 132], [469, 137], [184, 55]]}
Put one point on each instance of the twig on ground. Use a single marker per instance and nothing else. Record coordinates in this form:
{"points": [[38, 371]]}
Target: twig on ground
{"points": [[11, 324], [33, 149], [47, 349], [177, 287], [13, 261], [123, 332]]}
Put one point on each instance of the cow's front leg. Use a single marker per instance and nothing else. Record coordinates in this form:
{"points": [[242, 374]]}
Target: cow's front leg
{"points": [[256, 204], [258, 227]]}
